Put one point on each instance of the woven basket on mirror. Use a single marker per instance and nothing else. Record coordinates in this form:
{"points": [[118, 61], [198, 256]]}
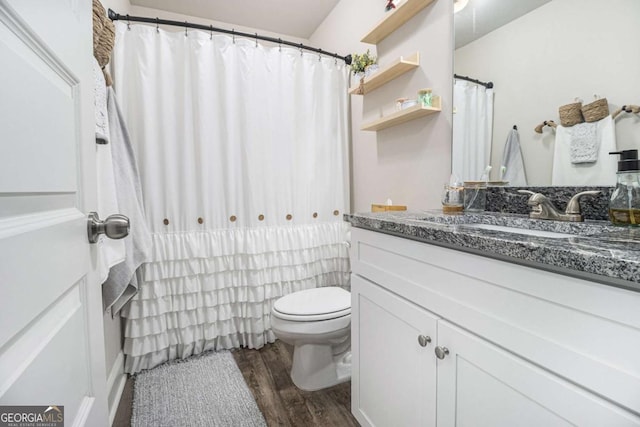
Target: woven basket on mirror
{"points": [[596, 110], [571, 114]]}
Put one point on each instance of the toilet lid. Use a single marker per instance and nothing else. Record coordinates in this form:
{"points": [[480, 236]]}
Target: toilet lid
{"points": [[326, 302]]}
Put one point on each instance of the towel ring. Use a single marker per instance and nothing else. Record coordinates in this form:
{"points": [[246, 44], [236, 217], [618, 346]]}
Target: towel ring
{"points": [[550, 123]]}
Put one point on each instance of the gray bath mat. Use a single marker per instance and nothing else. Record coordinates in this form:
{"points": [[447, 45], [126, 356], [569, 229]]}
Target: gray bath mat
{"points": [[206, 390]]}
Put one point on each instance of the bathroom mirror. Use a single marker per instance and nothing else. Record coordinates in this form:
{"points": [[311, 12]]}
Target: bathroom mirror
{"points": [[541, 54]]}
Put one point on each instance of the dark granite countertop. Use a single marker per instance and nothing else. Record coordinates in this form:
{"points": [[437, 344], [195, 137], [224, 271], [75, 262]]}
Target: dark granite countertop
{"points": [[595, 250]]}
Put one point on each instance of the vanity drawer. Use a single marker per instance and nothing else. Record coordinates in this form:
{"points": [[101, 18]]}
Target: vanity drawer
{"points": [[584, 331]]}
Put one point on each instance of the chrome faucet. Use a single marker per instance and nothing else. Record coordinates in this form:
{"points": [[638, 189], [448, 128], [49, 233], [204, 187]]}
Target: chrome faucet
{"points": [[542, 208]]}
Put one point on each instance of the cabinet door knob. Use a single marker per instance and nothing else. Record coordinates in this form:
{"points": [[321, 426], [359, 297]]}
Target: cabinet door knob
{"points": [[423, 340], [442, 352]]}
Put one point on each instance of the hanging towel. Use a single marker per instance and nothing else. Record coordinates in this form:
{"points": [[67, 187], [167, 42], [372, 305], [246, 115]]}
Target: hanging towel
{"points": [[584, 144], [100, 104], [110, 252], [512, 163], [601, 172], [122, 282]]}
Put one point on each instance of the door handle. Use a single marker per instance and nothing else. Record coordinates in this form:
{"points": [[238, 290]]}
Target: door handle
{"points": [[116, 226]]}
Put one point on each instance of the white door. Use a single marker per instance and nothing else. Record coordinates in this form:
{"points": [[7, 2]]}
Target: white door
{"points": [[394, 369], [51, 338], [480, 385]]}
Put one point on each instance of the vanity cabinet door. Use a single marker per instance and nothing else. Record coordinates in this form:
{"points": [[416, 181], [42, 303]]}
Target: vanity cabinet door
{"points": [[393, 368], [480, 384]]}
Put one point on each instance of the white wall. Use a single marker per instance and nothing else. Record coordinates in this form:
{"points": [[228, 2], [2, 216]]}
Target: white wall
{"points": [[123, 7], [562, 50], [408, 163], [113, 326], [112, 339]]}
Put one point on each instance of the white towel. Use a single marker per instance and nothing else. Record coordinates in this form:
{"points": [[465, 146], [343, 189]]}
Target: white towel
{"points": [[512, 163], [601, 172], [100, 104], [584, 143], [122, 282], [110, 252]]}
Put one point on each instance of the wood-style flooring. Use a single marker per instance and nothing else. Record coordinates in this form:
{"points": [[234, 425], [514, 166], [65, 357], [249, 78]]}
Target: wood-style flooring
{"points": [[125, 407], [266, 372]]}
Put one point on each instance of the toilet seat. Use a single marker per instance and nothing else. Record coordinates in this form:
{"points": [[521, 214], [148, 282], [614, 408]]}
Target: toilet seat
{"points": [[313, 305]]}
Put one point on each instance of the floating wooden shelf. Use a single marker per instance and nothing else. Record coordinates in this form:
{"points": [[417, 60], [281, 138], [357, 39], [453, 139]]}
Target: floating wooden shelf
{"points": [[386, 74], [394, 19], [403, 116]]}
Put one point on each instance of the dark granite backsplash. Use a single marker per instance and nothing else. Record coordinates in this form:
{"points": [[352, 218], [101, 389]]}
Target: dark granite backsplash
{"points": [[508, 200]]}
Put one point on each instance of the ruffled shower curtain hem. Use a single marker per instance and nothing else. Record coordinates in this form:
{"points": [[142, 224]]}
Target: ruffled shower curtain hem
{"points": [[219, 292], [182, 351]]}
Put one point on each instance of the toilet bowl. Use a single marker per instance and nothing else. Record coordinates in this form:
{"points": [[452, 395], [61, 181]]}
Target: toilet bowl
{"points": [[317, 322]]}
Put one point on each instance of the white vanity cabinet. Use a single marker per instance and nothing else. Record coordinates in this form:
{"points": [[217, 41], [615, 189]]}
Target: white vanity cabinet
{"points": [[393, 365], [525, 347], [480, 384]]}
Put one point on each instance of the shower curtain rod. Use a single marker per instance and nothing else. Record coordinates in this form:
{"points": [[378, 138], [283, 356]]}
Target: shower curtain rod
{"points": [[488, 85], [117, 17]]}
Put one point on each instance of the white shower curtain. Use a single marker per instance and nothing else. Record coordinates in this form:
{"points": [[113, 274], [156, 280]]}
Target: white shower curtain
{"points": [[243, 160], [472, 130]]}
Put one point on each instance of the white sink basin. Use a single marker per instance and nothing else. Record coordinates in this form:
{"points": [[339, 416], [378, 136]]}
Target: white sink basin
{"points": [[528, 232]]}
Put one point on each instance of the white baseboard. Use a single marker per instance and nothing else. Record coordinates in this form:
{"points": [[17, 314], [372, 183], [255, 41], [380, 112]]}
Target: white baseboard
{"points": [[115, 385], [84, 412]]}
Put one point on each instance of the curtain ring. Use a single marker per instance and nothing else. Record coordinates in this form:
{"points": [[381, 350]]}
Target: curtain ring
{"points": [[211, 32], [279, 45], [301, 49], [319, 55], [157, 25], [128, 23], [186, 34], [233, 35], [256, 39]]}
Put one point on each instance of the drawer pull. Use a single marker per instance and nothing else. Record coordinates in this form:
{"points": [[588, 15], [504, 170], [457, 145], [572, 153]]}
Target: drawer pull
{"points": [[442, 352], [423, 340]]}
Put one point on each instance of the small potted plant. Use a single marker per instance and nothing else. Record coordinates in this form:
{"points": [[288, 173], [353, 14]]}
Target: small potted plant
{"points": [[363, 65]]}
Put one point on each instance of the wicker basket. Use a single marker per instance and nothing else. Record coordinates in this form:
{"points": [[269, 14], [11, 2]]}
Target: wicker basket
{"points": [[596, 110], [103, 38], [571, 114]]}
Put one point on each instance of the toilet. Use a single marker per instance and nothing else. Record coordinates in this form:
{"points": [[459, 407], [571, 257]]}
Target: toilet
{"points": [[317, 322]]}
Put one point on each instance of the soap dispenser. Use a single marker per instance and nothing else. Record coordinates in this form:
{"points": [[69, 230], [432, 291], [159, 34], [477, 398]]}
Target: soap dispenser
{"points": [[624, 207]]}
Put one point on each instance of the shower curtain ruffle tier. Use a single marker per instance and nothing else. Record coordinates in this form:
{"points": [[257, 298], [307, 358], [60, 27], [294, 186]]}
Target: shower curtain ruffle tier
{"points": [[214, 290]]}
